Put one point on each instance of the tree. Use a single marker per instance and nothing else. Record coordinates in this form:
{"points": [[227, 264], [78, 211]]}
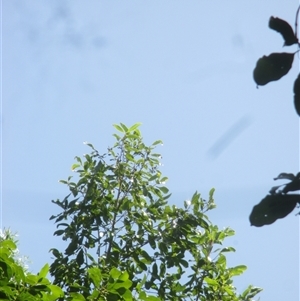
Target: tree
{"points": [[278, 203], [125, 242], [16, 283]]}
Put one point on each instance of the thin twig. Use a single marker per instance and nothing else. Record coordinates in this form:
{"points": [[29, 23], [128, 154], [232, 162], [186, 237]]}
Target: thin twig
{"points": [[296, 22]]}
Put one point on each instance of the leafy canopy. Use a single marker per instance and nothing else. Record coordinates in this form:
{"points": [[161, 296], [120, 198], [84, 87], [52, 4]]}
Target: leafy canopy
{"points": [[125, 242]]}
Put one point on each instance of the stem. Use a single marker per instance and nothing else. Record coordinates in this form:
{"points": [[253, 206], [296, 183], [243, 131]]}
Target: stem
{"points": [[296, 22]]}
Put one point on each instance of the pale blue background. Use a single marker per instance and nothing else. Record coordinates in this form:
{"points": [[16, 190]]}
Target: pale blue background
{"points": [[70, 69]]}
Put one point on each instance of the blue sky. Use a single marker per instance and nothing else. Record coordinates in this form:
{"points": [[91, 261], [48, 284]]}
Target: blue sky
{"points": [[182, 68]]}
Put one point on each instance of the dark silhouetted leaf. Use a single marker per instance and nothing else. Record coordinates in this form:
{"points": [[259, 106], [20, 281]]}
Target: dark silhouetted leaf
{"points": [[284, 175], [297, 94], [274, 189], [293, 185], [273, 207], [80, 258], [285, 29], [272, 67]]}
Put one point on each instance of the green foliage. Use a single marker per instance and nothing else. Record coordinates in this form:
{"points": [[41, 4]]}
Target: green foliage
{"points": [[18, 284], [125, 242]]}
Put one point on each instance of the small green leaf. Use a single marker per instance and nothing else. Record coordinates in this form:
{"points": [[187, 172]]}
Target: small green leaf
{"points": [[153, 178], [238, 270], [164, 189], [44, 271], [157, 142], [227, 249], [8, 244], [184, 263], [75, 166], [210, 281], [77, 297], [124, 127], [115, 273], [135, 126], [59, 232], [95, 275], [117, 127]]}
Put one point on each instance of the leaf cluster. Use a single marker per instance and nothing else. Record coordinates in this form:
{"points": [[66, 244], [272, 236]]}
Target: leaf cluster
{"points": [[276, 65], [18, 284], [125, 242], [278, 203]]}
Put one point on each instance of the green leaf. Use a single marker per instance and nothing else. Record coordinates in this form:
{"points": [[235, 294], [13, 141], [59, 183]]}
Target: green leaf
{"points": [[8, 244], [95, 275], [115, 273], [238, 270], [157, 142], [134, 127], [184, 263], [44, 271], [227, 249], [124, 276], [221, 260], [77, 297], [127, 295], [154, 270], [124, 127], [59, 232], [164, 189], [119, 128], [154, 177], [210, 281], [56, 291], [75, 166]]}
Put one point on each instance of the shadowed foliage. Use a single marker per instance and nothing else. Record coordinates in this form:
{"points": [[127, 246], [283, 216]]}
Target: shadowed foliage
{"points": [[276, 65], [285, 29], [273, 207], [272, 67], [278, 204], [297, 94]]}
